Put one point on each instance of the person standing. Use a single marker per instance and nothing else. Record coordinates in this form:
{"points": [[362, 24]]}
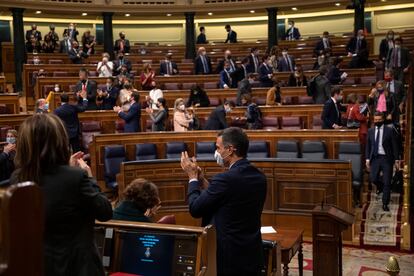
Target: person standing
{"points": [[331, 114], [133, 117], [105, 67], [122, 44], [147, 76], [382, 154], [7, 155], [386, 45], [399, 60], [76, 55], [201, 38], [33, 32], [322, 87], [232, 201], [182, 118], [217, 118], [90, 88], [292, 33], [266, 72], [254, 62], [231, 35], [168, 67], [286, 62], [108, 95], [160, 117], [202, 62]]}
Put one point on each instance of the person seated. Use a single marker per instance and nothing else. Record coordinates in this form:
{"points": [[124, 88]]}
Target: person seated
{"points": [[48, 45], [273, 96], [88, 43], [253, 114], [292, 33], [298, 78], [244, 88], [33, 32], [41, 106], [286, 62], [266, 72], [147, 77], [90, 86], [160, 117], [182, 118], [121, 61], [132, 118], [201, 38], [168, 67], [141, 201], [122, 44], [105, 67], [76, 55], [254, 63], [357, 48], [202, 62], [198, 97], [335, 74], [108, 95], [154, 94], [33, 45], [231, 35], [7, 155], [217, 119], [331, 114], [229, 58], [226, 81], [324, 45], [322, 60], [124, 75]]}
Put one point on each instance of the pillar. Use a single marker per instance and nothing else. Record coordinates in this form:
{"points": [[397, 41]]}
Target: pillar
{"points": [[190, 50], [271, 27], [19, 47], [359, 15], [108, 36]]}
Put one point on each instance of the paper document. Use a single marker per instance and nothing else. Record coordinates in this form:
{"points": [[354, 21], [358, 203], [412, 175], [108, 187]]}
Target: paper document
{"points": [[267, 230]]}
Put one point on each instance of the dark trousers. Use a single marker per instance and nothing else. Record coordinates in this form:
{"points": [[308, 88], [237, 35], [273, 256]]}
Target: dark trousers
{"points": [[74, 144], [382, 164], [399, 74]]}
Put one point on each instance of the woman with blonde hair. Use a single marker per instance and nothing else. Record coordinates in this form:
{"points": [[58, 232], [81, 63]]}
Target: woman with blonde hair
{"points": [[182, 118], [72, 199], [147, 77], [381, 100]]}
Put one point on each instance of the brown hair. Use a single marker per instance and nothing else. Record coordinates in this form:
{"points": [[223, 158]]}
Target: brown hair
{"points": [[12, 132], [146, 67], [143, 193], [42, 144]]}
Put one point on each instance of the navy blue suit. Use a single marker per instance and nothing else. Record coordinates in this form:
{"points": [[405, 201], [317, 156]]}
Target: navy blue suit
{"points": [[164, 70], [283, 64], [217, 119], [199, 68], [231, 37], [234, 200], [331, 115], [225, 79], [132, 118], [264, 71], [109, 102], [295, 35]]}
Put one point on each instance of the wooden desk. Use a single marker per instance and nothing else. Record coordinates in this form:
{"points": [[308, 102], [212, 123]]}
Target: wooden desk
{"points": [[3, 85], [11, 101], [290, 241]]}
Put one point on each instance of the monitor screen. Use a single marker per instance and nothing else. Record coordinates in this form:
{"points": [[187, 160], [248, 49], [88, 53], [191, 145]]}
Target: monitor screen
{"points": [[146, 254]]}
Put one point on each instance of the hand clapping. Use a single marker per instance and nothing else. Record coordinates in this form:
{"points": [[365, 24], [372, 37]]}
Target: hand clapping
{"points": [[189, 165]]}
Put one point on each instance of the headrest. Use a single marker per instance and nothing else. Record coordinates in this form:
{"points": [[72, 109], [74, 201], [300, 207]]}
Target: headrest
{"points": [[145, 149], [258, 146], [349, 147], [313, 146], [91, 126], [175, 147], [205, 147], [114, 151], [286, 145]]}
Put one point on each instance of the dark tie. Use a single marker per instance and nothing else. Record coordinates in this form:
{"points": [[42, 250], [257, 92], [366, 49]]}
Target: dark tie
{"points": [[289, 63], [358, 45], [376, 144]]}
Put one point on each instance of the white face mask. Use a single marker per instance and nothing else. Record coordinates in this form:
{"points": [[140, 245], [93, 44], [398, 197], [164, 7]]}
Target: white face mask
{"points": [[181, 107], [284, 53], [227, 109], [219, 159], [57, 89], [290, 25]]}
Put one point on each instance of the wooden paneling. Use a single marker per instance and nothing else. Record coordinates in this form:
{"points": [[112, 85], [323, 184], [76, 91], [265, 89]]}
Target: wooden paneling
{"points": [[11, 101]]}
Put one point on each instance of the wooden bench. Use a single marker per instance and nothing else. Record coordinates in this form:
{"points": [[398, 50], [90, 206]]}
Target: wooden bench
{"points": [[10, 102]]}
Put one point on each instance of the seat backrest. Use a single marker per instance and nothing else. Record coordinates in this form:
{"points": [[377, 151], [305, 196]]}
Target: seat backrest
{"points": [[210, 85], [291, 123], [145, 151], [349, 80], [260, 100], [368, 79], [113, 157], [351, 151], [174, 149], [258, 149], [270, 123], [171, 86], [205, 150], [188, 85], [287, 149], [4, 109], [313, 150], [60, 74], [305, 100], [119, 126], [317, 122], [89, 129], [55, 61], [214, 101], [46, 89]]}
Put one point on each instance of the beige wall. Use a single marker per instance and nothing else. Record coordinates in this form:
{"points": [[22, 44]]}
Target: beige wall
{"points": [[43, 27], [164, 33]]}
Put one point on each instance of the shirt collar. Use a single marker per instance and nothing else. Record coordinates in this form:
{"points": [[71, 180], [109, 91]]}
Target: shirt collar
{"points": [[333, 99]]}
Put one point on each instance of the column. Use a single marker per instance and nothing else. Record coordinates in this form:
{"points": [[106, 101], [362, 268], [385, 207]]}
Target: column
{"points": [[108, 36], [190, 50], [271, 27], [19, 47], [359, 15]]}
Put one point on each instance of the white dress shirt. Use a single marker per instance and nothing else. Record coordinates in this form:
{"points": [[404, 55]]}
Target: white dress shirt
{"points": [[381, 150]]}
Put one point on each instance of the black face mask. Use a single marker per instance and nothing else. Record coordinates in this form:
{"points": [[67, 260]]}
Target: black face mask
{"points": [[121, 57], [379, 124], [83, 81], [229, 57], [122, 37]]}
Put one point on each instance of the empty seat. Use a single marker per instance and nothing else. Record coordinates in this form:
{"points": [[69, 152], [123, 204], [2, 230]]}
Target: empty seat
{"points": [[46, 89], [113, 157], [349, 81], [214, 101], [89, 129], [4, 109], [313, 150], [351, 151], [188, 85], [258, 149], [60, 74], [259, 101], [186, 72], [174, 149], [287, 149], [119, 126], [186, 60], [317, 122], [210, 85], [205, 150], [171, 86], [291, 123], [305, 100], [55, 61], [270, 123], [92, 73], [146, 151]]}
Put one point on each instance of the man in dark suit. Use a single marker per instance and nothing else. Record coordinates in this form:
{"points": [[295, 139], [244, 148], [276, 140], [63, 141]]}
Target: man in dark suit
{"points": [[65, 44], [226, 80], [322, 88], [386, 44], [168, 67], [108, 95], [357, 48], [71, 32], [233, 201], [133, 117], [292, 33], [121, 61], [381, 154], [397, 88], [201, 38], [324, 45], [254, 61], [231, 35], [217, 118], [122, 44], [68, 113], [77, 55], [331, 114], [244, 87], [266, 72], [286, 62], [89, 86], [37, 35], [241, 71], [227, 57], [202, 62], [399, 60]]}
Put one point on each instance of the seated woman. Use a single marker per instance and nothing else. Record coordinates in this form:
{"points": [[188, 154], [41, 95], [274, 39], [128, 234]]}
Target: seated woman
{"points": [[141, 201], [273, 96], [298, 78], [198, 97], [7, 156], [160, 117], [182, 118]]}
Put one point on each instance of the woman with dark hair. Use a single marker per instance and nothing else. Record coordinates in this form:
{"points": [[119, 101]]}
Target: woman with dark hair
{"points": [[198, 97], [160, 117], [72, 199], [356, 114], [7, 155], [88, 42], [141, 201], [298, 78]]}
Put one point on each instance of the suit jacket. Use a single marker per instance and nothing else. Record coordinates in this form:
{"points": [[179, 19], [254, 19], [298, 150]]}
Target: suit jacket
{"points": [[240, 73], [250, 66], [334, 75], [244, 88], [72, 34], [320, 47], [199, 68], [201, 39], [264, 71], [295, 35], [405, 58], [331, 114], [30, 48], [283, 65], [109, 102], [64, 48], [132, 118], [225, 79], [220, 65], [217, 119], [6, 165], [127, 210], [384, 49], [163, 68], [351, 47], [68, 113], [322, 89], [72, 202], [90, 94], [234, 200], [117, 47], [73, 55], [389, 143], [37, 35], [293, 81], [231, 37], [118, 63], [399, 91]]}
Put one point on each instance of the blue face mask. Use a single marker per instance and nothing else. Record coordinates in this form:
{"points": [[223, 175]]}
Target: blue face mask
{"points": [[380, 90], [46, 106], [11, 140]]}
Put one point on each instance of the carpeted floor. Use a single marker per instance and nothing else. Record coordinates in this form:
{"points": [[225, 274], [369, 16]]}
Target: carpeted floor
{"points": [[359, 262]]}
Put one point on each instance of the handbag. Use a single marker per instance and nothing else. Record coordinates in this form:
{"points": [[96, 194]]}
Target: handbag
{"points": [[350, 122]]}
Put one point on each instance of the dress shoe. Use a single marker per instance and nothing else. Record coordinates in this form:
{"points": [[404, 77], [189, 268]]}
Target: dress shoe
{"points": [[385, 208]]}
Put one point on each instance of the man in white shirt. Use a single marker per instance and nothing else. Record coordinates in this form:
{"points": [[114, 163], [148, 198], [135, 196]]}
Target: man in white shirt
{"points": [[105, 67], [153, 96]]}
